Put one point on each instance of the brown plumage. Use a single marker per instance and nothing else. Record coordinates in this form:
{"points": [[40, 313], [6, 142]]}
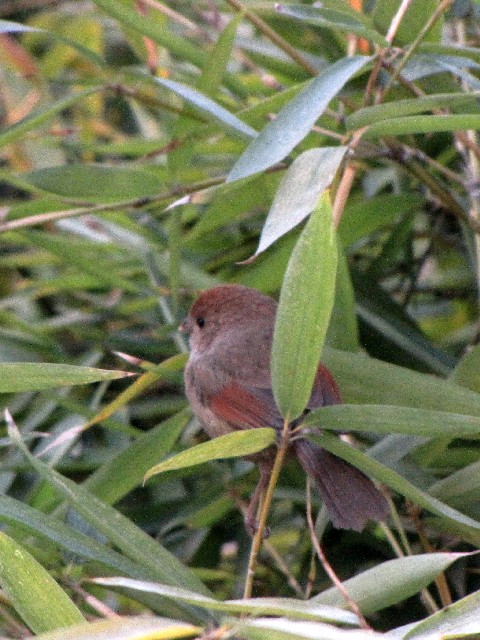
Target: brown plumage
{"points": [[227, 381]]}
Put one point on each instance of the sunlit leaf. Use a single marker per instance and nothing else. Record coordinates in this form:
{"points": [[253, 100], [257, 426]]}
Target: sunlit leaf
{"points": [[305, 180], [127, 628], [232, 445], [306, 302], [296, 119]]}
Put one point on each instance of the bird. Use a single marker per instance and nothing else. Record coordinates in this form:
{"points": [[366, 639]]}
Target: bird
{"points": [[229, 388]]}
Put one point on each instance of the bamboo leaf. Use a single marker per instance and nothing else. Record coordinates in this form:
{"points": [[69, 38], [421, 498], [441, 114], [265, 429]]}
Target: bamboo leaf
{"points": [[34, 376], [390, 582], [232, 445], [127, 628], [306, 302], [296, 119], [35, 595], [394, 419], [305, 180]]}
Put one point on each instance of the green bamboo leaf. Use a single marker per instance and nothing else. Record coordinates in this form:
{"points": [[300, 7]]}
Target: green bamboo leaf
{"points": [[400, 108], [232, 445], [341, 20], [390, 582], [84, 255], [35, 595], [162, 371], [422, 124], [119, 475], [218, 59], [394, 419], [127, 628], [365, 380], [38, 117], [363, 217], [303, 183], [131, 540], [209, 107], [303, 609], [306, 302], [392, 479], [34, 376], [284, 629], [125, 13], [80, 544], [415, 17], [459, 620], [463, 483], [343, 328], [95, 182], [465, 373], [296, 119]]}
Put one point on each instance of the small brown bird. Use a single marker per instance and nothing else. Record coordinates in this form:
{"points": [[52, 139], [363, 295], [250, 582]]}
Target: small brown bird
{"points": [[228, 384]]}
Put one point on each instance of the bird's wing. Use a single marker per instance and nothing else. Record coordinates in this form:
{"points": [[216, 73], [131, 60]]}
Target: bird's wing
{"points": [[325, 390], [246, 407]]}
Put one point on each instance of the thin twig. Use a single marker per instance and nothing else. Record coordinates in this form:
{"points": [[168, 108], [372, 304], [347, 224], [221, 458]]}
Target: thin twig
{"points": [[272, 35], [327, 566], [272, 552], [346, 181], [442, 7], [392, 30], [136, 203], [265, 509]]}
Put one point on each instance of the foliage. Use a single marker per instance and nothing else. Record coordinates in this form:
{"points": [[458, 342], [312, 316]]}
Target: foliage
{"points": [[152, 150]]}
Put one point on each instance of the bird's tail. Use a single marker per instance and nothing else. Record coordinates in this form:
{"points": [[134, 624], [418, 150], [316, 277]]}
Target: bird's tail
{"points": [[349, 496]]}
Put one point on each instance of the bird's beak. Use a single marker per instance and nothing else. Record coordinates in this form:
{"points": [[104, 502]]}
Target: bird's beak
{"points": [[184, 327]]}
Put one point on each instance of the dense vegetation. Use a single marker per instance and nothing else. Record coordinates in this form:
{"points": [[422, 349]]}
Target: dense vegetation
{"points": [[150, 150]]}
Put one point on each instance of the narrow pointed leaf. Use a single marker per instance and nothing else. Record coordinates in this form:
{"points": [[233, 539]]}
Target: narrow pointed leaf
{"points": [[306, 302], [119, 475], [131, 540], [394, 480], [284, 629], [80, 544], [399, 108], [95, 182], [305, 180], [308, 610], [341, 20], [127, 628], [391, 582], [365, 380], [423, 124], [296, 119], [35, 595], [393, 419], [458, 620], [232, 445], [34, 376], [208, 106]]}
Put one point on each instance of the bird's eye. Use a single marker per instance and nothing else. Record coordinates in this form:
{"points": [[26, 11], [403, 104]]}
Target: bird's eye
{"points": [[201, 322]]}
